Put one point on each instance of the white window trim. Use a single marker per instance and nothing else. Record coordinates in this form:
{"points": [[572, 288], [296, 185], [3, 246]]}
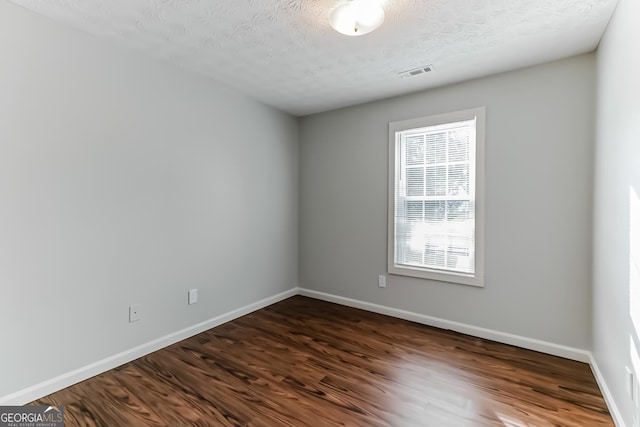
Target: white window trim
{"points": [[476, 279]]}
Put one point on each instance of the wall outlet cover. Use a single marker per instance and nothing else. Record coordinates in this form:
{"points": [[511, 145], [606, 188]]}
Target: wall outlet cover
{"points": [[193, 296], [134, 313], [629, 383], [382, 281]]}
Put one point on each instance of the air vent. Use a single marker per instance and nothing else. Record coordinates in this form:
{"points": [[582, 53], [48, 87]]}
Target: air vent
{"points": [[416, 71]]}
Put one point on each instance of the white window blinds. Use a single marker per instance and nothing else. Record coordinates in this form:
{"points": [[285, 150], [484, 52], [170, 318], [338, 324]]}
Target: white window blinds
{"points": [[435, 205]]}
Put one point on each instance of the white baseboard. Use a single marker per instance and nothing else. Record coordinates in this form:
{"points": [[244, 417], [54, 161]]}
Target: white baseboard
{"points": [[608, 397], [37, 391], [490, 334]]}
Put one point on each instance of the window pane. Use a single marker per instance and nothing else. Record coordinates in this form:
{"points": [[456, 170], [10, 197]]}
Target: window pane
{"points": [[458, 177], [436, 181], [415, 150], [459, 145], [415, 181], [414, 212], [434, 257], [414, 257], [459, 210], [434, 211], [459, 258], [460, 232], [436, 147]]}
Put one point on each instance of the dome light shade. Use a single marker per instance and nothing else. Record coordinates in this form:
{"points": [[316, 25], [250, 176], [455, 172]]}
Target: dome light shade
{"points": [[357, 17]]}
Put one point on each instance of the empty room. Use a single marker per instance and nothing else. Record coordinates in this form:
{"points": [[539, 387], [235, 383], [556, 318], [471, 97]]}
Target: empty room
{"points": [[318, 213]]}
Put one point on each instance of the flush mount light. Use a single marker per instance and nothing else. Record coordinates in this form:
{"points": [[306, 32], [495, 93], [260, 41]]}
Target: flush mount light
{"points": [[357, 17]]}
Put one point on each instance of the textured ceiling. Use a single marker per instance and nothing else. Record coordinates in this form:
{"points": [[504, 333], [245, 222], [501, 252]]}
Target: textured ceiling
{"points": [[285, 54]]}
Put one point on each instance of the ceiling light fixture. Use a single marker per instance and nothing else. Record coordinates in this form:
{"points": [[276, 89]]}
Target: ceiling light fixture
{"points": [[357, 17]]}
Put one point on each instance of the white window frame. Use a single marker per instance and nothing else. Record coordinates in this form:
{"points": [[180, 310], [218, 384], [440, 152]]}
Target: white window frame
{"points": [[477, 278]]}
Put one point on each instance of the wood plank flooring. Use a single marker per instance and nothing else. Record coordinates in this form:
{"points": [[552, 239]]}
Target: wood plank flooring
{"points": [[304, 362]]}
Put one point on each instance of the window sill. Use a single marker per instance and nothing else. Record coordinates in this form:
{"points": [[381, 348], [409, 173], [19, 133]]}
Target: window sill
{"points": [[424, 273]]}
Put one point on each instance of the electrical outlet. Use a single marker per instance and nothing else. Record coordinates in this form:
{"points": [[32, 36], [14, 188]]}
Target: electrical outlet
{"points": [[382, 281], [193, 296], [134, 313]]}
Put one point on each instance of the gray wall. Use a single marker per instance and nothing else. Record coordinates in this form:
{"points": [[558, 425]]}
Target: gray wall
{"points": [[125, 180], [538, 183], [616, 273]]}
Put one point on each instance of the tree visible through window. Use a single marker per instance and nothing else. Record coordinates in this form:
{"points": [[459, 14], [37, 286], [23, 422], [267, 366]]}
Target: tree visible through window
{"points": [[435, 197]]}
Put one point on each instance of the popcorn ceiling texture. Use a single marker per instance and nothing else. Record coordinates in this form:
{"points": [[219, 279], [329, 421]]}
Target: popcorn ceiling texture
{"points": [[285, 54]]}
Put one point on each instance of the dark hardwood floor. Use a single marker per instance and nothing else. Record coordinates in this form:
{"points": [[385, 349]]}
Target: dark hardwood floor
{"points": [[304, 362]]}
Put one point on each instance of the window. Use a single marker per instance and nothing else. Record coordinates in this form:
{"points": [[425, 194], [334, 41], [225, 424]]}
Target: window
{"points": [[436, 193]]}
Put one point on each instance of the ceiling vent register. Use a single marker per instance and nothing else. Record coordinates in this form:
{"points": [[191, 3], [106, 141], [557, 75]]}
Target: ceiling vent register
{"points": [[416, 71]]}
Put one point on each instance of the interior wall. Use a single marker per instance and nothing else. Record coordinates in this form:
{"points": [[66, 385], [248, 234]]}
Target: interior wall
{"points": [[126, 180], [539, 147], [616, 267]]}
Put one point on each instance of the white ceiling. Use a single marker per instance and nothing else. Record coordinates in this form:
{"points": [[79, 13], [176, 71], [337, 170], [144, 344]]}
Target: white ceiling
{"points": [[285, 54]]}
